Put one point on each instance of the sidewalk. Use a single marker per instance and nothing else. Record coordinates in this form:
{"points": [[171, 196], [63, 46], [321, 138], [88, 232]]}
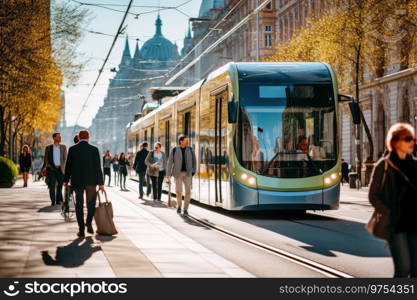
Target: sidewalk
{"points": [[35, 241]]}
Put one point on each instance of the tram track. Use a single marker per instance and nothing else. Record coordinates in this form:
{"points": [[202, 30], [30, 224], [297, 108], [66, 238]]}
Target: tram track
{"points": [[304, 262], [307, 263]]}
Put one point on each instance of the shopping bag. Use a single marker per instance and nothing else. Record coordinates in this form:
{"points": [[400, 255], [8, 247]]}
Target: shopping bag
{"points": [[103, 216]]}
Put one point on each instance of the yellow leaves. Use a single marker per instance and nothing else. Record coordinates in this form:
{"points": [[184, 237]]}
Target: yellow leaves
{"points": [[29, 78], [350, 34]]}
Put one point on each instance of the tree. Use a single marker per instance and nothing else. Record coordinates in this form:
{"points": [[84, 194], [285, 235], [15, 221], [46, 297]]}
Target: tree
{"points": [[32, 66], [345, 36]]}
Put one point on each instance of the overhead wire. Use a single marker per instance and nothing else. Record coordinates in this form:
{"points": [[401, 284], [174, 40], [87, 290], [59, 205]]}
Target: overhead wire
{"points": [[105, 61]]}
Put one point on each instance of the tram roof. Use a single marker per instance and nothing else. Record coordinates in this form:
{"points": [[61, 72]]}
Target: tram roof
{"points": [[284, 72]]}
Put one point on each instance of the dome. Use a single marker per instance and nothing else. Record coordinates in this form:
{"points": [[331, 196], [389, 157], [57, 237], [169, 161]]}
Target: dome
{"points": [[158, 47], [207, 5]]}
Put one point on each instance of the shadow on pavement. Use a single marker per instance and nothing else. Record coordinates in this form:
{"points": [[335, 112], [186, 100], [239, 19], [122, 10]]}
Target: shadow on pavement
{"points": [[321, 234], [50, 208], [72, 255]]}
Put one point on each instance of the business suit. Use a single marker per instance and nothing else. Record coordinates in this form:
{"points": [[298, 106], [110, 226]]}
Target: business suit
{"points": [[84, 170], [140, 168], [55, 173]]}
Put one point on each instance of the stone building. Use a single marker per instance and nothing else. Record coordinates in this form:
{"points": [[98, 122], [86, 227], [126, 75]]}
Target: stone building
{"points": [[386, 98], [128, 89], [251, 42]]}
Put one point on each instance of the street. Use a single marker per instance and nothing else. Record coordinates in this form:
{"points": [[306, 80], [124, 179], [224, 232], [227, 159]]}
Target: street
{"points": [[154, 241]]}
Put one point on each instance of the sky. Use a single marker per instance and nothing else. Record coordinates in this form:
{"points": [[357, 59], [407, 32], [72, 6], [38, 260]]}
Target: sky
{"points": [[95, 47]]}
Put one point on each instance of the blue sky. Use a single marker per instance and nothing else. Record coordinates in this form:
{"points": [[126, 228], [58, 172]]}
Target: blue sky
{"points": [[95, 47]]}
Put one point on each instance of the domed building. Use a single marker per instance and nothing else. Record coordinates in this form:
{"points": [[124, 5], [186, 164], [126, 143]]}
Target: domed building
{"points": [[128, 89]]}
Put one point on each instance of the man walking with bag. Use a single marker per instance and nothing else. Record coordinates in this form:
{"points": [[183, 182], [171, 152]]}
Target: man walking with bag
{"points": [[140, 168], [182, 166], [83, 168], [53, 166]]}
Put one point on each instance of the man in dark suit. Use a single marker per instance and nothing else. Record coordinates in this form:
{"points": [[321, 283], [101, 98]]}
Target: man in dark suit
{"points": [[53, 168], [84, 169], [140, 168]]}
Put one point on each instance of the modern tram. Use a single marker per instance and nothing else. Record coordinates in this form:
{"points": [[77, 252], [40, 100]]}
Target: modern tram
{"points": [[266, 135]]}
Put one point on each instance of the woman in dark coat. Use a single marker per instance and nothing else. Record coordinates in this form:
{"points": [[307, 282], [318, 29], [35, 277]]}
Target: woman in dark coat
{"points": [[123, 163], [25, 163], [393, 191]]}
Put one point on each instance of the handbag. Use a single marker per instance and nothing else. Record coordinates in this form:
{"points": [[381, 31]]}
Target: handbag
{"points": [[379, 224], [103, 216], [152, 170]]}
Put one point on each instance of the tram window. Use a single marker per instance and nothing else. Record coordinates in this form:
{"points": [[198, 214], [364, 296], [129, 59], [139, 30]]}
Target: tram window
{"points": [[146, 135], [187, 123], [167, 137], [152, 136], [272, 91]]}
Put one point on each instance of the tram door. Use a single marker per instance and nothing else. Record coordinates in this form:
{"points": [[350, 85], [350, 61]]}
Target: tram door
{"points": [[220, 146]]}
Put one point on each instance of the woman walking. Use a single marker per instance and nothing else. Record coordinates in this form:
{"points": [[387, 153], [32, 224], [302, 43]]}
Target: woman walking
{"points": [[123, 163], [115, 164], [107, 165], [392, 192], [25, 163], [156, 164]]}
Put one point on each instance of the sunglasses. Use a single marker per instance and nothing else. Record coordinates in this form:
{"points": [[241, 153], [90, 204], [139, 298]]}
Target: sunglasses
{"points": [[408, 139]]}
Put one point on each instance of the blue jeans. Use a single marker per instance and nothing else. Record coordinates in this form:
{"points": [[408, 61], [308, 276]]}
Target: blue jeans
{"points": [[403, 248], [142, 176]]}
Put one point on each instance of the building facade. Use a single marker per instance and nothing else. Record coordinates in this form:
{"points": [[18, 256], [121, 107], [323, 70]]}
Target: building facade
{"points": [[128, 89]]}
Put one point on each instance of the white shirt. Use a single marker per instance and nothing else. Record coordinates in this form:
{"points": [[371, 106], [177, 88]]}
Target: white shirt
{"points": [[57, 155], [158, 160]]}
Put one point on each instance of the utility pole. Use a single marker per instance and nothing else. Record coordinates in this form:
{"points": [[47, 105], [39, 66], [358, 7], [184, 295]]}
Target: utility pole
{"points": [[257, 32]]}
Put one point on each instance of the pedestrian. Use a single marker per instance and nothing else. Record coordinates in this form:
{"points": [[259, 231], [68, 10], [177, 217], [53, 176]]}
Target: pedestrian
{"points": [[182, 166], [129, 156], [107, 165], [36, 166], [25, 163], [140, 168], [83, 169], [345, 171], [115, 164], [123, 164], [53, 166], [392, 193], [156, 162]]}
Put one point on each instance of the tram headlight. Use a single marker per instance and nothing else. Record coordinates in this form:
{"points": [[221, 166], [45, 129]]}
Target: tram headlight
{"points": [[252, 180], [244, 176], [329, 179]]}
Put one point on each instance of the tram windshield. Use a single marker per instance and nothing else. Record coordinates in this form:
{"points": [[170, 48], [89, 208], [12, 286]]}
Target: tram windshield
{"points": [[287, 131]]}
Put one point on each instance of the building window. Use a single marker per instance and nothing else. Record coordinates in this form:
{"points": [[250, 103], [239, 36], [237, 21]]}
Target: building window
{"points": [[268, 40], [268, 36]]}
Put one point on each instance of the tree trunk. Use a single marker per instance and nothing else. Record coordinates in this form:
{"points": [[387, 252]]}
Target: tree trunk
{"points": [[2, 131]]}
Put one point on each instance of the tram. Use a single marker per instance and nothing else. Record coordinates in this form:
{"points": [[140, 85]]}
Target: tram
{"points": [[266, 135]]}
